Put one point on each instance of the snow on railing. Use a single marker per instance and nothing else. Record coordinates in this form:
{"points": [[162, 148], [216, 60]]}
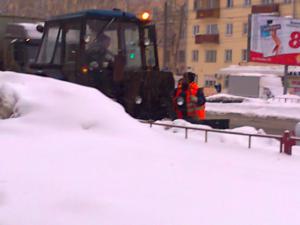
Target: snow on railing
{"points": [[287, 141]]}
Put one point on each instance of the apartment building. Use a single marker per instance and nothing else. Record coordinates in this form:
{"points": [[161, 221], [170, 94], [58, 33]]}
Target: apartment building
{"points": [[217, 33]]}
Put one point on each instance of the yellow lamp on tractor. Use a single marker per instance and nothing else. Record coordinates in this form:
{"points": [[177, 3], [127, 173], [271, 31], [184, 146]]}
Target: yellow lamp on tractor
{"points": [[145, 16]]}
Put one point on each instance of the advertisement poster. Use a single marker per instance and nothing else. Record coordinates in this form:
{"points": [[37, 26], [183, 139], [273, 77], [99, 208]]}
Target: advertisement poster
{"points": [[274, 40]]}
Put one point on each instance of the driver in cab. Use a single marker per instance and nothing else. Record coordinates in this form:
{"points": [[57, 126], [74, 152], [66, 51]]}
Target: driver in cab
{"points": [[98, 53]]}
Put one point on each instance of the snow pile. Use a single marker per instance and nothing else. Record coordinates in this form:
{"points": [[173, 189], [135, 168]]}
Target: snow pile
{"points": [[73, 156], [8, 100], [51, 104], [228, 139], [225, 98]]}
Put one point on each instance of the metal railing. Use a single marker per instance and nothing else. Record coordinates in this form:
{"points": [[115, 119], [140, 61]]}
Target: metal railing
{"points": [[206, 130], [285, 99]]}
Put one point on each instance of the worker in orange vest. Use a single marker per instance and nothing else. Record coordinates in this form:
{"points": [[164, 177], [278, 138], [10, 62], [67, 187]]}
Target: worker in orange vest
{"points": [[195, 99]]}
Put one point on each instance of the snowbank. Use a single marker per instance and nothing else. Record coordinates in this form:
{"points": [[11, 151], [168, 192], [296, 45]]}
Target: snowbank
{"points": [[73, 156], [8, 100], [225, 98]]}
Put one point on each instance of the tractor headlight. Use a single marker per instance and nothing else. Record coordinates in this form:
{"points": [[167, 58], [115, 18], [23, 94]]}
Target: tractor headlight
{"points": [[138, 100], [147, 42], [180, 101]]}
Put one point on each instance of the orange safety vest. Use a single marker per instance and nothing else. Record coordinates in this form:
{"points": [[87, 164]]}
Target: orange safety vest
{"points": [[193, 110]]}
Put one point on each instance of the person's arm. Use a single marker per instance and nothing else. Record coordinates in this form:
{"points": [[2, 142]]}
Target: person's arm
{"points": [[201, 100]]}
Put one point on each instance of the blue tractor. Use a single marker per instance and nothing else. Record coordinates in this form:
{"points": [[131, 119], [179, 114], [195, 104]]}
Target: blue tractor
{"points": [[113, 51]]}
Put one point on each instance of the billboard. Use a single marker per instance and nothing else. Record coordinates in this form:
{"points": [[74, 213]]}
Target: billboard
{"points": [[274, 40]]}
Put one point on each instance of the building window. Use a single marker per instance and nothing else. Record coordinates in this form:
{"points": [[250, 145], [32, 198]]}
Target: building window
{"points": [[247, 2], [196, 4], [182, 34], [181, 58], [245, 28], [229, 29], [210, 80], [195, 55], [229, 3], [213, 4], [211, 56], [168, 56], [226, 82], [210, 83], [228, 55], [266, 2], [204, 4], [212, 29], [196, 30], [244, 57]]}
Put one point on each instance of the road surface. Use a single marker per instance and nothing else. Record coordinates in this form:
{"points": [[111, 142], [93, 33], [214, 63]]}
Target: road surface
{"points": [[271, 125]]}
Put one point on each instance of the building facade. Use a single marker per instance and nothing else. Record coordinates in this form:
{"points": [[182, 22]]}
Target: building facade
{"points": [[217, 33]]}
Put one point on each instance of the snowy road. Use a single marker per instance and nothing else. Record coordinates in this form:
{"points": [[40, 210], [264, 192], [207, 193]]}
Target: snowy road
{"points": [[271, 125], [272, 116]]}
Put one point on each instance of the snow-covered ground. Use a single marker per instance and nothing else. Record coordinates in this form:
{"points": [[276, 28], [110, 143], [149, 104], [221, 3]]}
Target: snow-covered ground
{"points": [[72, 156], [285, 106]]}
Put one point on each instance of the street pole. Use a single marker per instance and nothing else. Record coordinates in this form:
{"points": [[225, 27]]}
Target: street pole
{"points": [[166, 9], [285, 79], [294, 8], [126, 5], [179, 36]]}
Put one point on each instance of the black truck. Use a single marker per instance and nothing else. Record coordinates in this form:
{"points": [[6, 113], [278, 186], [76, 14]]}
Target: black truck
{"points": [[19, 42]]}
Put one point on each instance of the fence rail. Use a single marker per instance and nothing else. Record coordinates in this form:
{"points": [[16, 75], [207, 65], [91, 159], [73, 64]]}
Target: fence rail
{"points": [[285, 99], [287, 141]]}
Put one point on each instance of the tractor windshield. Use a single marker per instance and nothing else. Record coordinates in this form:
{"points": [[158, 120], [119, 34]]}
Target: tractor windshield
{"points": [[106, 39]]}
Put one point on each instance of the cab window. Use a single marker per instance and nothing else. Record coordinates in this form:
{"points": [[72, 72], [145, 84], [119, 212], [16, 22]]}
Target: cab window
{"points": [[72, 47], [48, 45], [132, 46]]}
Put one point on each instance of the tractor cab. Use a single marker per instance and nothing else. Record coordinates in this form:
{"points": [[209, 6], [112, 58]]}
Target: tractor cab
{"points": [[113, 51]]}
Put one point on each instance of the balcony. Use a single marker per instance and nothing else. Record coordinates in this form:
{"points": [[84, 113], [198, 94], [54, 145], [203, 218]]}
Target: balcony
{"points": [[269, 8], [207, 38], [208, 13]]}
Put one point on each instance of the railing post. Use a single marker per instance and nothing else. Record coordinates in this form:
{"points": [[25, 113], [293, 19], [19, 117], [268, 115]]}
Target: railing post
{"points": [[186, 133], [249, 143], [287, 143], [206, 132]]}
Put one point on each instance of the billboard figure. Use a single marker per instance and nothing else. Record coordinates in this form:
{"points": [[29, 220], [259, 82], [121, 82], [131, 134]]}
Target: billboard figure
{"points": [[271, 42]]}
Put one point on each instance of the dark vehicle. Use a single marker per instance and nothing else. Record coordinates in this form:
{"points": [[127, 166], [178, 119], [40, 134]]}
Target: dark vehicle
{"points": [[21, 44], [113, 51], [17, 35]]}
